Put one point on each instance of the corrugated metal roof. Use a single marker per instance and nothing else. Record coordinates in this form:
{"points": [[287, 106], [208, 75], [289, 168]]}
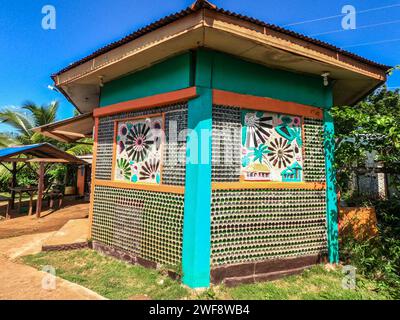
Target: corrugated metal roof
{"points": [[203, 4], [12, 151], [39, 150]]}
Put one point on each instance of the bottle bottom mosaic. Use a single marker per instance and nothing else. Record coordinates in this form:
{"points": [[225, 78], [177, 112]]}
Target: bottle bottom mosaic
{"points": [[145, 224], [261, 224], [247, 226]]}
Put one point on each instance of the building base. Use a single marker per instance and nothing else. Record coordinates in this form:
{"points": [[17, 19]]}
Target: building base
{"points": [[65, 247], [130, 258], [230, 275], [267, 270]]}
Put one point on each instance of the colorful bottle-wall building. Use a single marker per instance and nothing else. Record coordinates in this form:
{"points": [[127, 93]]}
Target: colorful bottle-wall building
{"points": [[215, 159]]}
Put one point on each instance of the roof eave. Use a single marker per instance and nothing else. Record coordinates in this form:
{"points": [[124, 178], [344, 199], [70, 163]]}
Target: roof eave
{"points": [[291, 42], [59, 130]]}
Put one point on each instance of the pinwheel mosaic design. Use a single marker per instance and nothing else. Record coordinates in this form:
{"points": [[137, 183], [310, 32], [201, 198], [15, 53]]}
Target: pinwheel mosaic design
{"points": [[281, 153], [138, 154], [257, 128], [150, 170], [271, 146]]}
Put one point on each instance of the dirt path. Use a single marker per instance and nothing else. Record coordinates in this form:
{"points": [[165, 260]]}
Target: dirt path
{"points": [[21, 282], [51, 221], [12, 248]]}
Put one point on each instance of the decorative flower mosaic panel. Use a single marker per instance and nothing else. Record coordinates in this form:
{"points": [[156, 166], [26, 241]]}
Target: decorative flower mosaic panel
{"points": [[138, 154], [271, 147]]}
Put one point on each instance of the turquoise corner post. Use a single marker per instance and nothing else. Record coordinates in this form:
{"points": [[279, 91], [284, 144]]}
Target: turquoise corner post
{"points": [[197, 211], [331, 196]]}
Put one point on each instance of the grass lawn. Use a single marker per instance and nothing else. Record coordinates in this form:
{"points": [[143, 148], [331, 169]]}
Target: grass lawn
{"points": [[114, 279]]}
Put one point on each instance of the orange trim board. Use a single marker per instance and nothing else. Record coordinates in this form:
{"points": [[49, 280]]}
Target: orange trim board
{"points": [[140, 186], [147, 102], [215, 186], [228, 98], [268, 185]]}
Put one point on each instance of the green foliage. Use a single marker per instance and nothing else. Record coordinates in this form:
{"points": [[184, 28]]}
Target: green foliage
{"points": [[372, 125], [378, 258], [27, 117], [23, 120], [27, 177], [57, 173]]}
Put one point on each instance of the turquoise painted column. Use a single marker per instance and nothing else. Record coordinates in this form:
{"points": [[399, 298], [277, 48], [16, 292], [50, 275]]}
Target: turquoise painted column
{"points": [[331, 196], [197, 210]]}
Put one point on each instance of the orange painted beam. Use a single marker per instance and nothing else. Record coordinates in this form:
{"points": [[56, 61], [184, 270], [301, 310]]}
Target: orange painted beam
{"points": [[147, 102], [267, 185], [140, 186], [227, 98]]}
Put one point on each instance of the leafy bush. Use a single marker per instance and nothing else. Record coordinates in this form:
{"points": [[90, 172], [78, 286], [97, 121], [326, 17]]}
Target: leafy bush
{"points": [[57, 173], [378, 258]]}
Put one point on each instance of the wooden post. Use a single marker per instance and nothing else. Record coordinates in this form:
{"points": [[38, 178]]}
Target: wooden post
{"points": [[8, 209], [13, 183], [19, 202], [40, 190], [30, 203]]}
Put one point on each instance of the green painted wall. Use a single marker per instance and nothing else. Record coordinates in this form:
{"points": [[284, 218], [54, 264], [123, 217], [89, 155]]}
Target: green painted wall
{"points": [[223, 72], [170, 75], [209, 69], [233, 74]]}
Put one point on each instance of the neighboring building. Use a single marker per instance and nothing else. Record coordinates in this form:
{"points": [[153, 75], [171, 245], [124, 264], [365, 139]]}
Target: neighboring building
{"points": [[256, 199], [370, 178], [84, 176], [374, 180]]}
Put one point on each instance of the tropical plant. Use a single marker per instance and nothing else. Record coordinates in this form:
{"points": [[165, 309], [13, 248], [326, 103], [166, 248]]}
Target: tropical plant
{"points": [[378, 258], [372, 125], [22, 120]]}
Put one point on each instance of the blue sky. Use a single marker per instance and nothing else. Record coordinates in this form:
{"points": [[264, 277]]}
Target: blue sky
{"points": [[30, 54]]}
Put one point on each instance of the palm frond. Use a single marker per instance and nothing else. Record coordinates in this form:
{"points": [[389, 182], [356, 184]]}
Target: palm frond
{"points": [[44, 114], [17, 120], [39, 138], [81, 149], [7, 140], [5, 175]]}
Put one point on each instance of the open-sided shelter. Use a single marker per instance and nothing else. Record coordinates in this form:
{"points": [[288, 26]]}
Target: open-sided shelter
{"points": [[41, 153]]}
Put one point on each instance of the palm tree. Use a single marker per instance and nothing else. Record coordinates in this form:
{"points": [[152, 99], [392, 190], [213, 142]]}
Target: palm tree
{"points": [[29, 116]]}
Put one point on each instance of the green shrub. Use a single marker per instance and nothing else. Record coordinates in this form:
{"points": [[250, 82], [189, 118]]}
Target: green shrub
{"points": [[378, 258]]}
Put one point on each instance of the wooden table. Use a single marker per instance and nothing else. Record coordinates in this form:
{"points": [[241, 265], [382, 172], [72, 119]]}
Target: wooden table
{"points": [[29, 190], [9, 200]]}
